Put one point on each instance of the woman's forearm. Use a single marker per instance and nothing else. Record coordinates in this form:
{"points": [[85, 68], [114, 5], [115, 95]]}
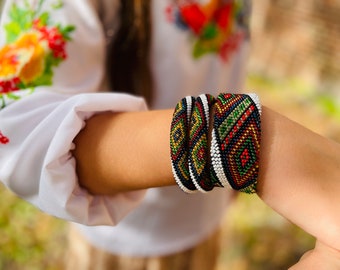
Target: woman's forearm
{"points": [[124, 151]]}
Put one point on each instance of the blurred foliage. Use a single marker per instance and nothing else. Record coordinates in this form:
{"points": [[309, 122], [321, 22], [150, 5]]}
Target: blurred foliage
{"points": [[299, 92], [29, 239], [256, 238]]}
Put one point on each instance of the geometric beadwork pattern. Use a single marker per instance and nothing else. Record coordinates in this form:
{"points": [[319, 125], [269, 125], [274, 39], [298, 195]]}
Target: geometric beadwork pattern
{"points": [[179, 144], [199, 166], [232, 156], [235, 144]]}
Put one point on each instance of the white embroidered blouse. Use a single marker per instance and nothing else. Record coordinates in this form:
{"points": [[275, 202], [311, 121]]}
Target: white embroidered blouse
{"points": [[52, 78]]}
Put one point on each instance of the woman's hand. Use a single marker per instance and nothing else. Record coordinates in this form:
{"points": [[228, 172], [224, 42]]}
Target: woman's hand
{"points": [[322, 257]]}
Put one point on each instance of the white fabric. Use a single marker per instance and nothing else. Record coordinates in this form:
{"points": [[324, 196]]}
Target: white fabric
{"points": [[37, 163]]}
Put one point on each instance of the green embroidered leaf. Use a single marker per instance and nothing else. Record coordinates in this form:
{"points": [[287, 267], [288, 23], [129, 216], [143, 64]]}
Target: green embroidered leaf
{"points": [[44, 79], [66, 32], [13, 30], [37, 9], [210, 31], [202, 47], [12, 96], [51, 61], [44, 18], [198, 50], [14, 11], [21, 85], [59, 4], [3, 102], [22, 17], [31, 90]]}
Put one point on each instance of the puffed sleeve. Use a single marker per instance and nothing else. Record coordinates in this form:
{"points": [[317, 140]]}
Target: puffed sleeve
{"points": [[51, 67]]}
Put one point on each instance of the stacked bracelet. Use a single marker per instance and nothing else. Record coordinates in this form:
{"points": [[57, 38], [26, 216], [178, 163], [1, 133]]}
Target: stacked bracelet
{"points": [[235, 143], [179, 144], [231, 159], [198, 144]]}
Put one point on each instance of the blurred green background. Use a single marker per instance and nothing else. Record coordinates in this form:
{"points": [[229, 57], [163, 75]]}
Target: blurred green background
{"points": [[294, 67]]}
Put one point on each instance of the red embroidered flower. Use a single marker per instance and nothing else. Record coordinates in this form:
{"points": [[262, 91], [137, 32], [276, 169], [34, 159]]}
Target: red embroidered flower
{"points": [[10, 85], [223, 16], [231, 45], [194, 17], [3, 139], [215, 25], [57, 43], [55, 39]]}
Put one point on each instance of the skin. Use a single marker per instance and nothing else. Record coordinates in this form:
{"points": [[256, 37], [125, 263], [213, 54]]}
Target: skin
{"points": [[299, 176], [131, 151], [321, 257], [299, 169]]}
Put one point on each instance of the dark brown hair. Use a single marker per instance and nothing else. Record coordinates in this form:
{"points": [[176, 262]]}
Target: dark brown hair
{"points": [[128, 60]]}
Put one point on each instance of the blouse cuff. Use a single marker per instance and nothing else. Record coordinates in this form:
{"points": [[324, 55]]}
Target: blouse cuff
{"points": [[46, 174]]}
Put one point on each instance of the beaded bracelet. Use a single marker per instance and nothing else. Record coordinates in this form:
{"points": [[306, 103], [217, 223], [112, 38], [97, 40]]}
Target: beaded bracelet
{"points": [[179, 144], [235, 143], [198, 144]]}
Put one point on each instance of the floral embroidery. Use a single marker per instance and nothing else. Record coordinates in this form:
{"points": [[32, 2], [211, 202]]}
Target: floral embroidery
{"points": [[34, 46], [3, 139], [217, 26]]}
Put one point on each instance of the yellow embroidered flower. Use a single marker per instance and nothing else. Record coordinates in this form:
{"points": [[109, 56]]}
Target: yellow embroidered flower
{"points": [[8, 62], [37, 48], [25, 58]]}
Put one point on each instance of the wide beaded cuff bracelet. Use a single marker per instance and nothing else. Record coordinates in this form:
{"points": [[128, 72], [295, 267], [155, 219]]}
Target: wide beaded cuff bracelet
{"points": [[235, 143]]}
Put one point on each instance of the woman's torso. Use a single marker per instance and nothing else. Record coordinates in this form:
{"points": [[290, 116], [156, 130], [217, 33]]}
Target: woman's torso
{"points": [[190, 54]]}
